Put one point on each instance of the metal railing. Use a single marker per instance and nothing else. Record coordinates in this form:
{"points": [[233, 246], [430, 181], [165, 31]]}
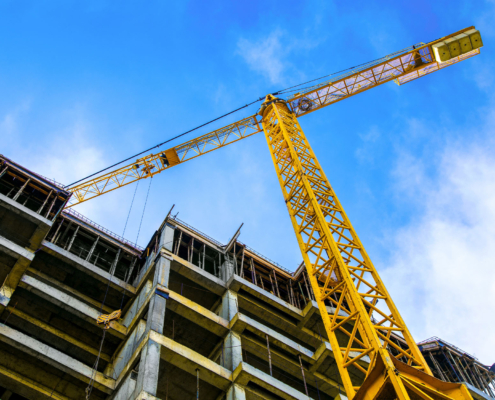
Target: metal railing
{"points": [[223, 245], [73, 212]]}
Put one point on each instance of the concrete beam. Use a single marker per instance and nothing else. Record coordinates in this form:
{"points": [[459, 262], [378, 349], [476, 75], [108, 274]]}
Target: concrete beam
{"points": [[188, 360], [67, 289], [246, 373], [57, 332], [55, 358], [320, 355], [308, 312], [290, 365], [237, 283], [24, 258], [25, 212], [69, 303], [242, 322], [196, 274], [14, 250], [197, 314], [27, 387], [87, 267], [276, 318]]}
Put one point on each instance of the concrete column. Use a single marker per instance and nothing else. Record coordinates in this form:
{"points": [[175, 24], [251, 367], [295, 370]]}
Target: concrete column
{"points": [[226, 270], [7, 395], [126, 389], [236, 392], [229, 305], [149, 366], [167, 237], [162, 271], [232, 350], [158, 304], [150, 355]]}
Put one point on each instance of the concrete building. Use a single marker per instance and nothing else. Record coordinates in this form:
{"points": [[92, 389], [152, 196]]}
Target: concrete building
{"points": [[199, 318], [451, 364]]}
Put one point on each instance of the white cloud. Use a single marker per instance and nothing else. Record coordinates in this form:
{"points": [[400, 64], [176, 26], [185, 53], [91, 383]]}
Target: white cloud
{"points": [[442, 270]]}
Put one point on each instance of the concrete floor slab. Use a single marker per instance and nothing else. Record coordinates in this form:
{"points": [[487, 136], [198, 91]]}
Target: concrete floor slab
{"points": [[246, 373], [189, 361], [87, 267], [196, 274], [69, 303], [55, 358], [197, 314]]}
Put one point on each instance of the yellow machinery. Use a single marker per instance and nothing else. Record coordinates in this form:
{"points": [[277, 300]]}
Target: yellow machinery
{"points": [[344, 280]]}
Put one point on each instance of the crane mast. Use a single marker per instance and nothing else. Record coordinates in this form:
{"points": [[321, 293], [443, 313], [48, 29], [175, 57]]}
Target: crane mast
{"points": [[358, 313], [346, 284]]}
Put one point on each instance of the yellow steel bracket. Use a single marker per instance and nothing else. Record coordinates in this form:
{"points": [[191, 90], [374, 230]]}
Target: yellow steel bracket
{"points": [[108, 318]]}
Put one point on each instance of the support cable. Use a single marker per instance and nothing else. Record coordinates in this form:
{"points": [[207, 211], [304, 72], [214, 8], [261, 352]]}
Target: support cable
{"points": [[130, 208], [144, 209], [89, 389], [340, 72], [166, 141]]}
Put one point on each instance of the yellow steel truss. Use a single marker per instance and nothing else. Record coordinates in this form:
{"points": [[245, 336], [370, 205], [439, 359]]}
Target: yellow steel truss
{"points": [[402, 66], [155, 163], [345, 282]]}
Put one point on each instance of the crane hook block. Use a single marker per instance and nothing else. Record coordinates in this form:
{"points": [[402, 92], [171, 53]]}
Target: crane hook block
{"points": [[107, 318]]}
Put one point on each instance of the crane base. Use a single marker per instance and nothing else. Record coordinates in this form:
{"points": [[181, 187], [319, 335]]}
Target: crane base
{"points": [[416, 383]]}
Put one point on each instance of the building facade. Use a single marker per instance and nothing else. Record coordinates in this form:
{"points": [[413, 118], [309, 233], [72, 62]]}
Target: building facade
{"points": [[187, 317]]}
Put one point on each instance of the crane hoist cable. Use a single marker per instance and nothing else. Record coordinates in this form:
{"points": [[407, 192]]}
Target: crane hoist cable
{"points": [[167, 141], [106, 319], [282, 91]]}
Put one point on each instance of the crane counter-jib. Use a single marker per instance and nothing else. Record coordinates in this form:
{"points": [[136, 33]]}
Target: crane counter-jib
{"points": [[402, 66]]}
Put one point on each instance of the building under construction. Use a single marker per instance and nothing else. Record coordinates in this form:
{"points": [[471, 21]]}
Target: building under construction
{"points": [[451, 364], [198, 316], [86, 314]]}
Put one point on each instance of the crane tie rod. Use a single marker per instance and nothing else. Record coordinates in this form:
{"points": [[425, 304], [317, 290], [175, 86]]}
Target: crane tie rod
{"points": [[166, 141], [222, 116]]}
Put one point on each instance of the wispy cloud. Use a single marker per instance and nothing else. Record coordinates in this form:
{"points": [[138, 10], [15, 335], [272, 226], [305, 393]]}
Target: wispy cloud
{"points": [[270, 55], [265, 56]]}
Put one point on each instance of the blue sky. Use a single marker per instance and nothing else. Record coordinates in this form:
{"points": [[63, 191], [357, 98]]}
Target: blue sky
{"points": [[86, 84]]}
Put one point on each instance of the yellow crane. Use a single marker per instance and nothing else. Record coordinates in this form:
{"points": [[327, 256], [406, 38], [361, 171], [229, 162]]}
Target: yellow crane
{"points": [[347, 285]]}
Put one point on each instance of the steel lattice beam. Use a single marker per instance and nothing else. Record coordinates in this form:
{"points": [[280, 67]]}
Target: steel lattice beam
{"points": [[344, 280]]}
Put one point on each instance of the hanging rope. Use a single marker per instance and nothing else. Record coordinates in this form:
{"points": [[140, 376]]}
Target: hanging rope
{"points": [[89, 389], [130, 208], [144, 209], [106, 319]]}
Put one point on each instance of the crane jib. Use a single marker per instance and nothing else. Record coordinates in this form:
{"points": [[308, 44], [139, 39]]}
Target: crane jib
{"points": [[402, 67]]}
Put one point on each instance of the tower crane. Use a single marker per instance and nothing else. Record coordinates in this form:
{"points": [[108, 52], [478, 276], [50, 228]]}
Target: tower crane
{"points": [[346, 284]]}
